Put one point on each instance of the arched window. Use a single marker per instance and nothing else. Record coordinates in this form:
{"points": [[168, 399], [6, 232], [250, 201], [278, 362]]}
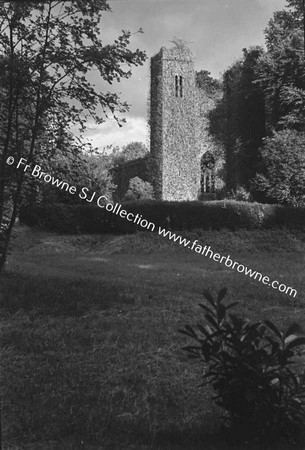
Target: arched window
{"points": [[207, 173]]}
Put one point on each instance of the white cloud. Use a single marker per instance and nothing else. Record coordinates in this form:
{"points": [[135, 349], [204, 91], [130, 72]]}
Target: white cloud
{"points": [[135, 129]]}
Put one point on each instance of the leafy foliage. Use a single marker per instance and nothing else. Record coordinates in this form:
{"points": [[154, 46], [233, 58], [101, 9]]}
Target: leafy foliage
{"points": [[205, 81], [281, 72], [131, 151], [249, 365], [241, 194], [282, 178], [139, 190]]}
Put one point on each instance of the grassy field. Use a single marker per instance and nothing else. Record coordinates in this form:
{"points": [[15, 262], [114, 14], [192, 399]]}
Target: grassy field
{"points": [[91, 357]]}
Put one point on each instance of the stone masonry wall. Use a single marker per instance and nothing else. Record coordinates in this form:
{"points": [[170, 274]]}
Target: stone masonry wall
{"points": [[174, 143], [156, 124]]}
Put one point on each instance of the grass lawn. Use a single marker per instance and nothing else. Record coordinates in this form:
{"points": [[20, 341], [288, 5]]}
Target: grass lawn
{"points": [[91, 357]]}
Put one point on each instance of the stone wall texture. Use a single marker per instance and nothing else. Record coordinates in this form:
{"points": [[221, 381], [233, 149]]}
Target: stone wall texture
{"points": [[173, 121]]}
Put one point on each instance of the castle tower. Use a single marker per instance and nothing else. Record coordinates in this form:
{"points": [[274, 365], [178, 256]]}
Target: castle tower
{"points": [[173, 119]]}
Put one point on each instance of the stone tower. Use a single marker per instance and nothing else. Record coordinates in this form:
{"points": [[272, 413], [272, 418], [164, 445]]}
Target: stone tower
{"points": [[173, 124]]}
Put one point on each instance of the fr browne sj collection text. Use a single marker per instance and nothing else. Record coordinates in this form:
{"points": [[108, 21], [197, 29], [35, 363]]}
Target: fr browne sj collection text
{"points": [[84, 193]]}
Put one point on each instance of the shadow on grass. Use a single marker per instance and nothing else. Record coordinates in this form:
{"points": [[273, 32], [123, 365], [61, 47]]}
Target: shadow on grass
{"points": [[57, 296]]}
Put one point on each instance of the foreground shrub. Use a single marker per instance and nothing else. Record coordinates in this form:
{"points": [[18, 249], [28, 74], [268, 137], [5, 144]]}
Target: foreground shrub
{"points": [[249, 366]]}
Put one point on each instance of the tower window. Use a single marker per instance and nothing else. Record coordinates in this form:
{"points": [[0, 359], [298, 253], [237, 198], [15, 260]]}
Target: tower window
{"points": [[176, 85]]}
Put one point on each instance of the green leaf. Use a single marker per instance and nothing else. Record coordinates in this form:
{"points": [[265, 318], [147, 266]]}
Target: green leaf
{"points": [[274, 328], [221, 311], [206, 330], [221, 294], [207, 295], [211, 320], [232, 305], [297, 342], [294, 328], [188, 331], [194, 350], [206, 308]]}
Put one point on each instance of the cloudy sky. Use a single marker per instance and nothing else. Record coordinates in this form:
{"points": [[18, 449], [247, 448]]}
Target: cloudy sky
{"points": [[217, 31]]}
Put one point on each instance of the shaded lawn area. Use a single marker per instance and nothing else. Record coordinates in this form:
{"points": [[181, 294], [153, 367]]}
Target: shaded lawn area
{"points": [[91, 357]]}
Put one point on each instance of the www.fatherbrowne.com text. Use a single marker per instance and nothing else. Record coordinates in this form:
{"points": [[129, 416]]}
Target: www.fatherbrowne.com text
{"points": [[103, 202], [227, 261]]}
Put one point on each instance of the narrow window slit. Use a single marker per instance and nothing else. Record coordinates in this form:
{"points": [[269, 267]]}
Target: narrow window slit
{"points": [[176, 86]]}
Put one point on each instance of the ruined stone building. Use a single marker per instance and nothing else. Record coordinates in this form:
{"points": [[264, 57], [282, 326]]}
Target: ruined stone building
{"points": [[180, 166]]}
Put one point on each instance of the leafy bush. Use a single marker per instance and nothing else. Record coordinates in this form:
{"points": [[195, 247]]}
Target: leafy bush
{"points": [[139, 190], [75, 219], [241, 194], [249, 366], [214, 215]]}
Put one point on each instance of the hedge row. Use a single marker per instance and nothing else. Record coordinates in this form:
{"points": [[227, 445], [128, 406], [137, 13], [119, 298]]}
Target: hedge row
{"points": [[216, 215]]}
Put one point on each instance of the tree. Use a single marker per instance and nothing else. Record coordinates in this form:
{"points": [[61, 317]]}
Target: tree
{"points": [[131, 151], [91, 170], [264, 92], [47, 49], [282, 72], [99, 168], [282, 178], [299, 13], [205, 81], [139, 190], [238, 120]]}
